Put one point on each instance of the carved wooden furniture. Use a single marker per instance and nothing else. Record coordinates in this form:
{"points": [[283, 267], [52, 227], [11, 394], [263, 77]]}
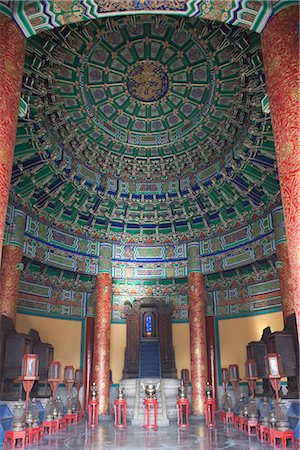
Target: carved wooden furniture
{"points": [[6, 327], [13, 346], [165, 313], [132, 351], [160, 327], [285, 343], [16, 346]]}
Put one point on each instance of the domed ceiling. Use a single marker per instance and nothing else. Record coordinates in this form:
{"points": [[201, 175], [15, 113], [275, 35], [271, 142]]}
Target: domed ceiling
{"points": [[145, 128]]}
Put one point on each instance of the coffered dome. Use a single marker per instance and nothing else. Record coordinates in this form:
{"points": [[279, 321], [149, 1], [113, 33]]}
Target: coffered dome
{"points": [[145, 128]]}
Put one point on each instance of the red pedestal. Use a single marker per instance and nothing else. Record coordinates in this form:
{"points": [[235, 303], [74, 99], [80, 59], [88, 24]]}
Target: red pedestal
{"points": [[71, 419], [35, 435], [243, 423], [266, 434], [16, 439], [250, 427], [62, 424], [93, 413], [120, 407], [210, 411], [259, 430], [182, 407], [237, 422], [279, 438], [150, 413], [228, 417], [50, 427]]}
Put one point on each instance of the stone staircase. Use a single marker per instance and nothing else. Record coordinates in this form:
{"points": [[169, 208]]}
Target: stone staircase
{"points": [[166, 395], [150, 360]]}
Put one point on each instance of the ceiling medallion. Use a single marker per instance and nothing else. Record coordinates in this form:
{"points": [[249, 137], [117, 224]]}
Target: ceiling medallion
{"points": [[147, 82]]}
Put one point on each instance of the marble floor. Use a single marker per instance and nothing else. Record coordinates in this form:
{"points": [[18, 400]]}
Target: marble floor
{"points": [[105, 436]]}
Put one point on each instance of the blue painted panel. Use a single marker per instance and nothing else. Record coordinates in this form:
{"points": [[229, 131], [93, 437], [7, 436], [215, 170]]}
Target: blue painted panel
{"points": [[294, 418], [5, 421]]}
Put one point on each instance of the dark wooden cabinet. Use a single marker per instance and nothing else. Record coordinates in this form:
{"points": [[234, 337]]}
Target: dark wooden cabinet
{"points": [[285, 343], [132, 350], [165, 313], [13, 346], [17, 345], [257, 351]]}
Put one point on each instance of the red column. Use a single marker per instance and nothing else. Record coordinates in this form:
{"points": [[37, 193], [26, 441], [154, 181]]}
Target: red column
{"points": [[198, 340], [12, 52], [101, 358], [281, 57], [88, 359], [10, 280], [285, 279], [211, 354]]}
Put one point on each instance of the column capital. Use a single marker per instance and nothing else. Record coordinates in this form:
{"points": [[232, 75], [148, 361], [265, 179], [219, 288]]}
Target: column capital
{"points": [[15, 226], [194, 257], [279, 225], [105, 264]]}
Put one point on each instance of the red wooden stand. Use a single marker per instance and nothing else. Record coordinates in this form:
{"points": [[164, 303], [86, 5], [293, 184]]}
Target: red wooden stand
{"points": [[280, 438], [120, 407], [150, 405], [210, 411], [259, 430], [16, 439], [229, 417], [35, 435], [50, 427], [266, 434], [62, 424], [237, 422], [250, 427], [71, 419], [93, 412], [182, 407], [243, 424]]}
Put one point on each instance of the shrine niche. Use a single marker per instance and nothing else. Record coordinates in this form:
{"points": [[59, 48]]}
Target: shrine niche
{"points": [[149, 320]]}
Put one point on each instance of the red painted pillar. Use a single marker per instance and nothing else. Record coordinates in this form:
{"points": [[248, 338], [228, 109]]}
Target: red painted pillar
{"points": [[196, 291], [10, 280], [281, 57], [11, 266], [12, 53], [88, 359], [283, 264], [211, 354], [101, 357]]}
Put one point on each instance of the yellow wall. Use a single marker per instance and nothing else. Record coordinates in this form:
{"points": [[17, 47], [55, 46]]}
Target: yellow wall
{"points": [[234, 335], [64, 335], [117, 349], [181, 344]]}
